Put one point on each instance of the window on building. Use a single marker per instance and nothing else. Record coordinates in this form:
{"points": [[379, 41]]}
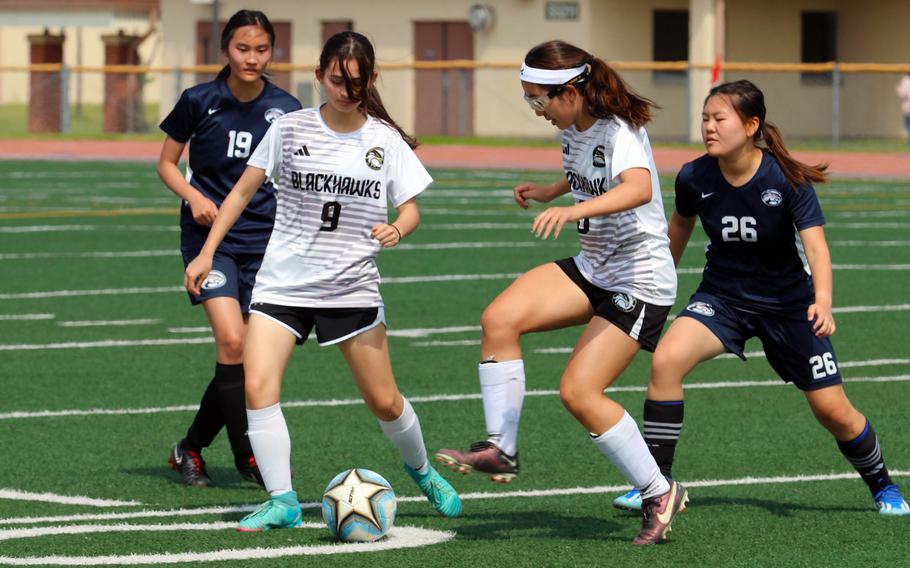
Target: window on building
{"points": [[671, 41], [819, 43]]}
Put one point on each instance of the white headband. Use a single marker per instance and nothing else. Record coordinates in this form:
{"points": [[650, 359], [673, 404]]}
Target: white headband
{"points": [[550, 76]]}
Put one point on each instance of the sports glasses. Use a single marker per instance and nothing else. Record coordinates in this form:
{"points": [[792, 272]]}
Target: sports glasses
{"points": [[539, 103]]}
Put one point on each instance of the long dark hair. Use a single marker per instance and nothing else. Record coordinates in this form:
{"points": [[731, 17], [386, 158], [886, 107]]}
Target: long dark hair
{"points": [[352, 45], [605, 93], [238, 20], [749, 102]]}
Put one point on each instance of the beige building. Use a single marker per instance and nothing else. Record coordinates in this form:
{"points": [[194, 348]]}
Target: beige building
{"points": [[496, 34], [82, 23]]}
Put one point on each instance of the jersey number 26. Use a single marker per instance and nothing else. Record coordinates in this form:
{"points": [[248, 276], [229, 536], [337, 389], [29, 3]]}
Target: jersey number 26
{"points": [[739, 229]]}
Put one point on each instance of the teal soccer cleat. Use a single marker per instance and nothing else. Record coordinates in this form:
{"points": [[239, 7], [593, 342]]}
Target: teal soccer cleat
{"points": [[630, 501], [439, 492], [281, 512], [890, 502]]}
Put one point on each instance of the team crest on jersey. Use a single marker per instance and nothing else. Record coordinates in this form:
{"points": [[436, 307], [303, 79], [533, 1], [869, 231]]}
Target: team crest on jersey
{"points": [[702, 308], [598, 158], [375, 157], [771, 197], [624, 302], [215, 279], [272, 114]]}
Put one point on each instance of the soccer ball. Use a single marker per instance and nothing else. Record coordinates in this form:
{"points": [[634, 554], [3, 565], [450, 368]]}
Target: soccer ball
{"points": [[359, 506]]}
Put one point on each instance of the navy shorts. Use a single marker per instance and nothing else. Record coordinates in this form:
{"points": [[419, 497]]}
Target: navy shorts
{"points": [[790, 344], [640, 320], [232, 276], [333, 325]]}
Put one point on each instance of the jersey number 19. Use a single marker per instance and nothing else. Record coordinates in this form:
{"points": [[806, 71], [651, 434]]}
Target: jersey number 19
{"points": [[239, 144]]}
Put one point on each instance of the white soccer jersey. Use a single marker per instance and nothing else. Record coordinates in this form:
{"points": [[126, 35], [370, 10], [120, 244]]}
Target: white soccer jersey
{"points": [[627, 251], [332, 188]]}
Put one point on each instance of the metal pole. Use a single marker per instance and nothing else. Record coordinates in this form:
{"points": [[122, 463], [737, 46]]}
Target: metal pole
{"points": [[64, 96], [462, 93], [215, 40], [835, 106], [178, 83]]}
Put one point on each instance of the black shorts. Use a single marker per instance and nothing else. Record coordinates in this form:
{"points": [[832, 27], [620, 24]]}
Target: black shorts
{"points": [[640, 320], [333, 325], [232, 276], [797, 355]]}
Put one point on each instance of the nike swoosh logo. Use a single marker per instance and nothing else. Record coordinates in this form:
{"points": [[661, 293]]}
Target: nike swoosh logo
{"points": [[667, 514], [214, 110], [703, 195]]}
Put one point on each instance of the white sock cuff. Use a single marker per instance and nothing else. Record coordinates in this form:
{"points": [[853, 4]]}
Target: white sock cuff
{"points": [[624, 429], [501, 372], [406, 420], [260, 415]]}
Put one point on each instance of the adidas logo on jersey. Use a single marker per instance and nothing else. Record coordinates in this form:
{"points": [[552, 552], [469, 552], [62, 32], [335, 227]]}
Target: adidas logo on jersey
{"points": [[302, 151]]}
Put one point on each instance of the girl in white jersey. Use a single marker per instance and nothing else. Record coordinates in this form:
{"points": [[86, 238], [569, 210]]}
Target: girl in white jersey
{"points": [[621, 285], [334, 167]]}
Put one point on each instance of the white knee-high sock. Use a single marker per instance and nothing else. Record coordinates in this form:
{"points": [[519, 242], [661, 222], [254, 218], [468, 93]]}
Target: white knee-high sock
{"points": [[624, 446], [271, 443], [502, 386], [405, 433]]}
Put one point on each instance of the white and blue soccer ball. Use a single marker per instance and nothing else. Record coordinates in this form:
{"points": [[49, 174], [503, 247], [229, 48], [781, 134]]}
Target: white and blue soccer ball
{"points": [[359, 505]]}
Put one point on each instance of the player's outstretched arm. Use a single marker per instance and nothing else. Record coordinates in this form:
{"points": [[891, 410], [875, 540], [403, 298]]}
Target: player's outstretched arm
{"points": [[816, 247], [633, 191], [390, 234], [204, 209], [542, 193], [236, 201]]}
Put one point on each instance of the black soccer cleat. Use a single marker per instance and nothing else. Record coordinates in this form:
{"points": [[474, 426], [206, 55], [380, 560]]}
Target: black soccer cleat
{"points": [[190, 465], [249, 471]]}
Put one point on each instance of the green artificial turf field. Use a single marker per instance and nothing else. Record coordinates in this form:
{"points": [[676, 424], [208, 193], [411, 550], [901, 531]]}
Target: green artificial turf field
{"points": [[102, 361]]}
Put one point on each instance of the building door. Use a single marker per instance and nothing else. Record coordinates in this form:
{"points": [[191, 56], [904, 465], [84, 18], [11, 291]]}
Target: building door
{"points": [[280, 54], [445, 98]]}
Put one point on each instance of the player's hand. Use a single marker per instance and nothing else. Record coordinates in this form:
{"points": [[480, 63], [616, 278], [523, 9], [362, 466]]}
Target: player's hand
{"points": [[196, 273], [823, 324], [525, 191], [387, 234], [204, 210], [552, 220]]}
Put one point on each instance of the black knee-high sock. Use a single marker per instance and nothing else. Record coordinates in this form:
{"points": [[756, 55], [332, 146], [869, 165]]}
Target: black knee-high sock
{"points": [[864, 453], [207, 422], [232, 403], [663, 422]]}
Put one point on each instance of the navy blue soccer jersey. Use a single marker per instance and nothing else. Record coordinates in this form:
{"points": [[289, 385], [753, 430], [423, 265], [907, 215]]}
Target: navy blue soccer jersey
{"points": [[222, 133], [754, 255]]}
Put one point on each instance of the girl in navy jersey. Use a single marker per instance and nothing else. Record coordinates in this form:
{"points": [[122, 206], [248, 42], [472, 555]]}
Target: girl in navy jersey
{"points": [[768, 275], [223, 121], [335, 167], [620, 286]]}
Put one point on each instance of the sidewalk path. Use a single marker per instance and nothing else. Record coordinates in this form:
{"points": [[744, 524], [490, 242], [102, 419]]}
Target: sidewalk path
{"points": [[669, 160]]}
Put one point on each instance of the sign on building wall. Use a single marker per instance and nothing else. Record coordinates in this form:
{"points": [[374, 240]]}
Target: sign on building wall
{"points": [[561, 10]]}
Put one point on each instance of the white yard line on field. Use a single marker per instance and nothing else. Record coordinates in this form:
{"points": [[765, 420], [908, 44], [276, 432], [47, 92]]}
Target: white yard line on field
{"points": [[15, 495], [478, 495], [16, 415], [105, 323], [408, 333], [25, 317]]}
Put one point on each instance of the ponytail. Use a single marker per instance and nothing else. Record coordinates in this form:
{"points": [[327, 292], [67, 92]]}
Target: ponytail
{"points": [[796, 172], [606, 95]]}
